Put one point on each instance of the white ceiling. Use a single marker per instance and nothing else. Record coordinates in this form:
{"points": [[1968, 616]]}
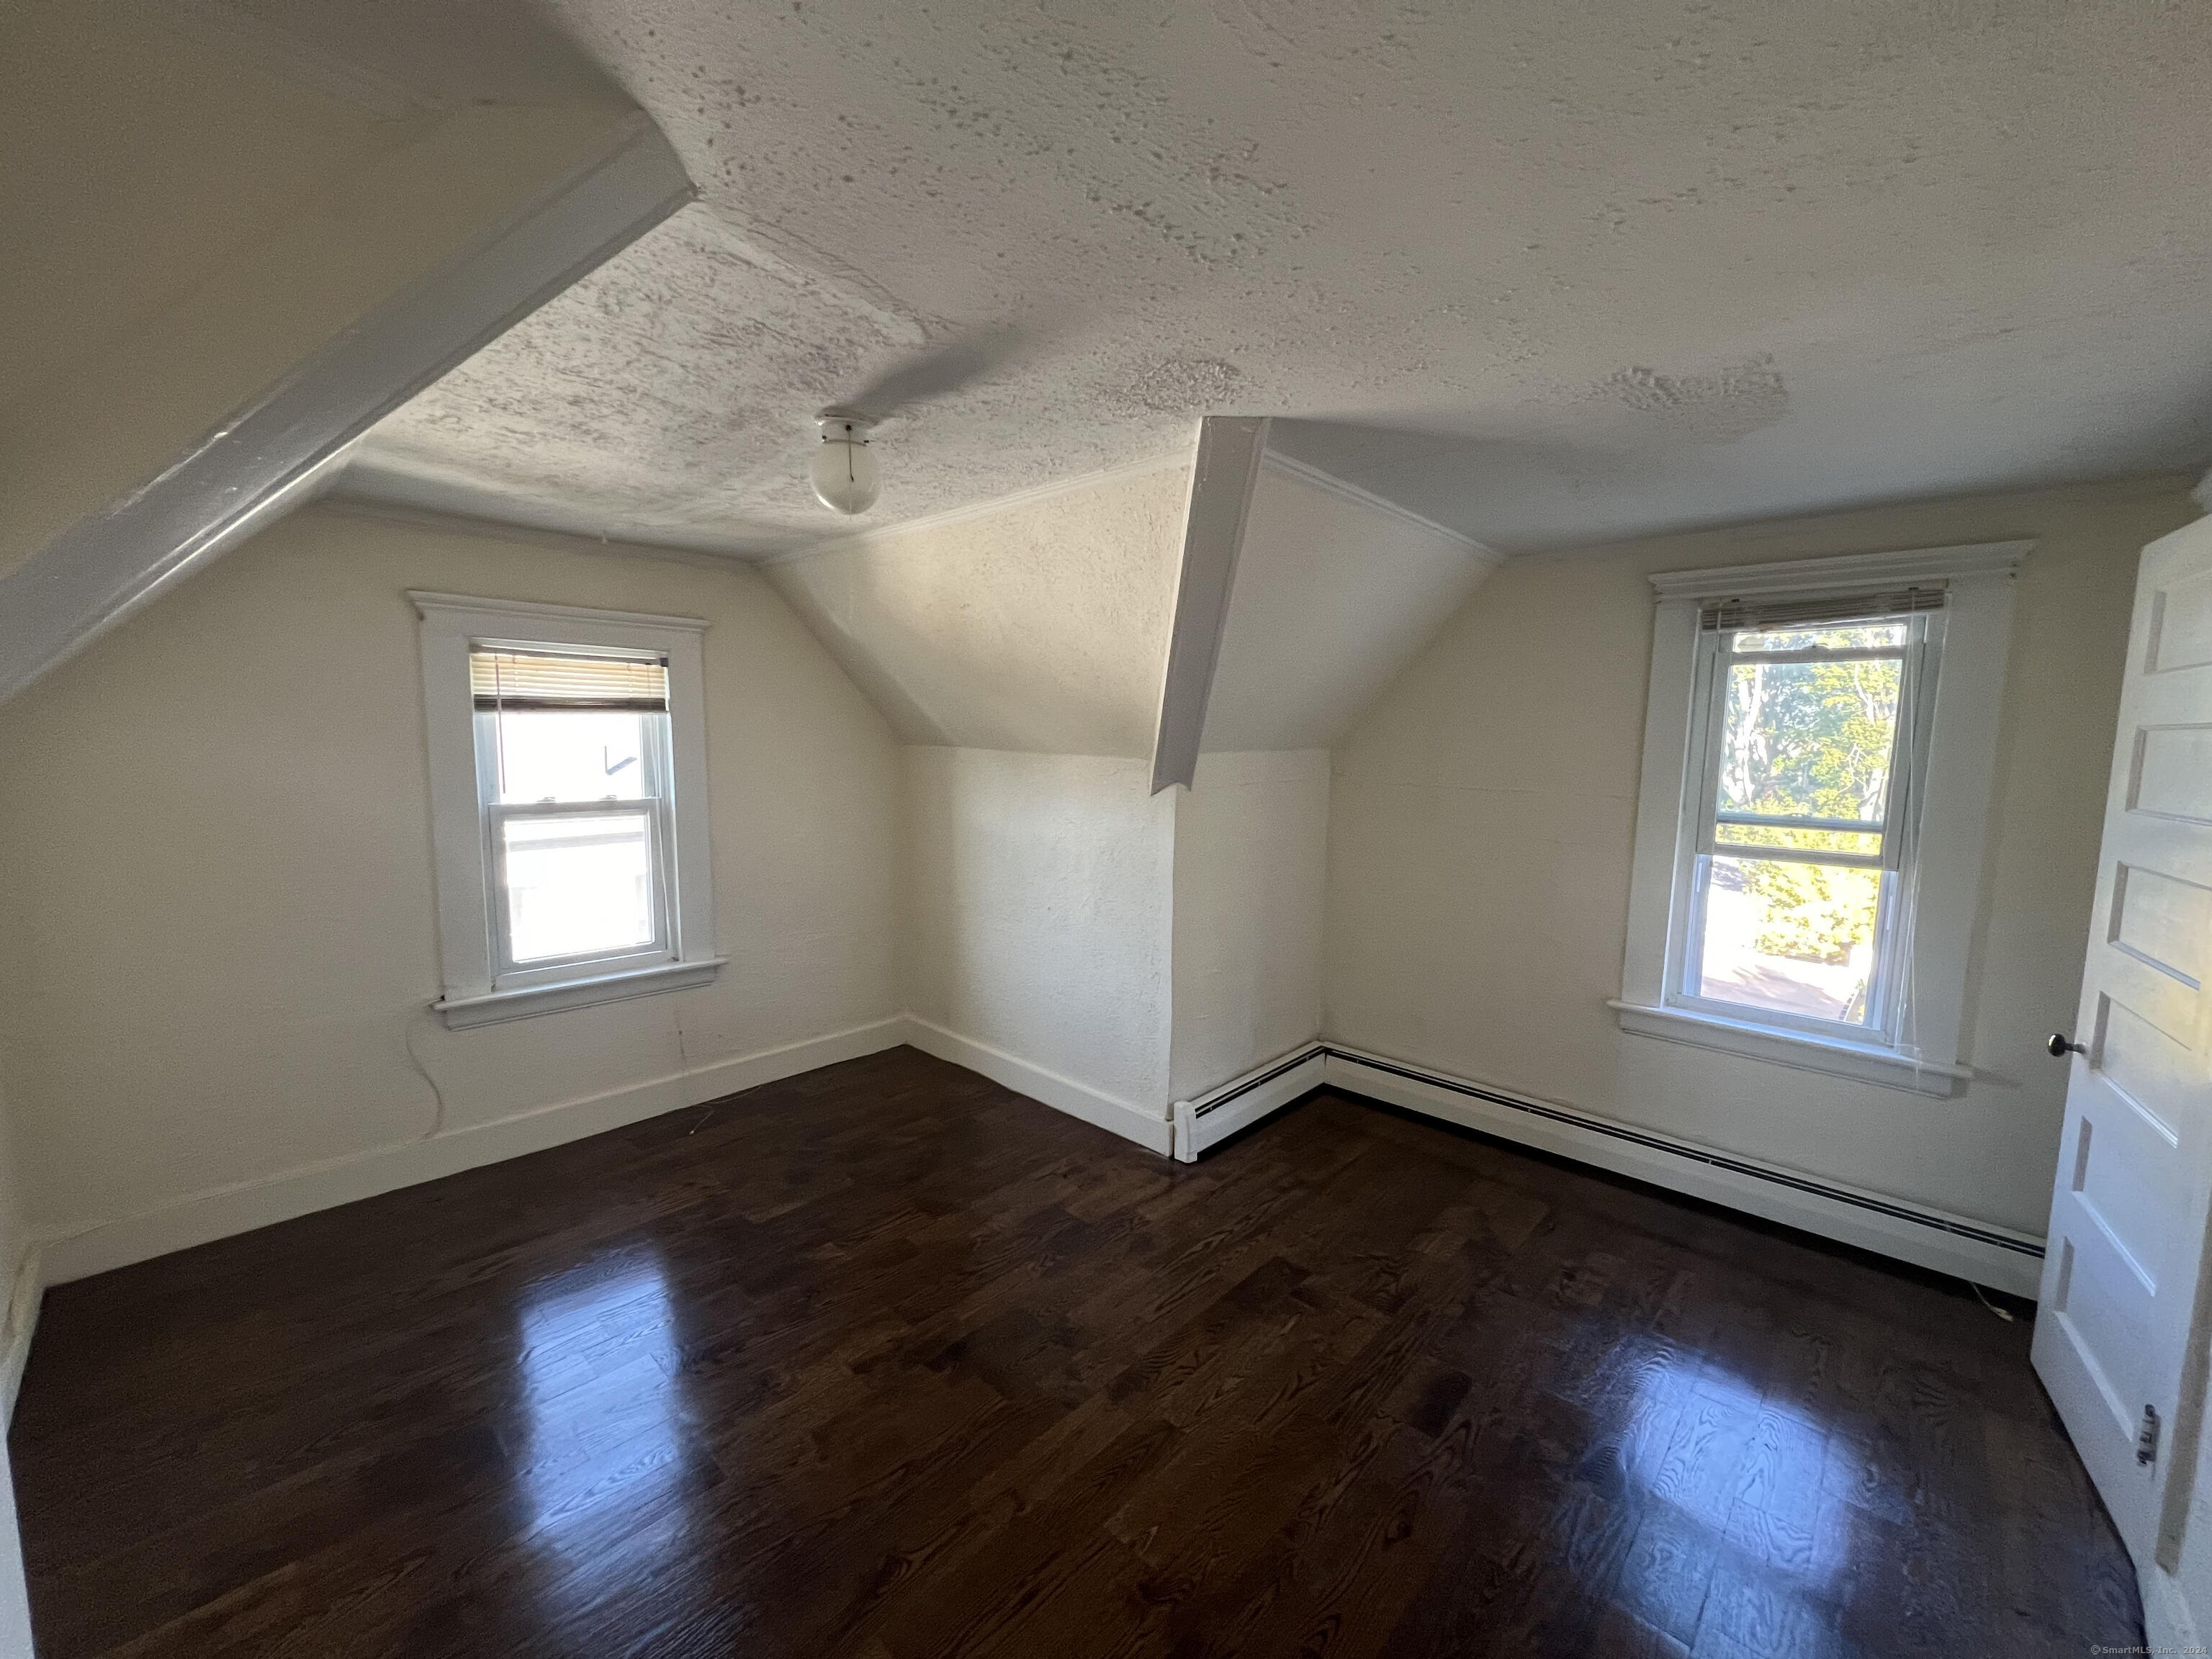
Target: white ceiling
{"points": [[1043, 625], [1330, 599], [1546, 274]]}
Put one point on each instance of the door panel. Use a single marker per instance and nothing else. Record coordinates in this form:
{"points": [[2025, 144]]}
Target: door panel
{"points": [[2132, 1055], [2163, 922], [2181, 624], [2173, 773], [2128, 1206], [2119, 1188], [2103, 1311]]}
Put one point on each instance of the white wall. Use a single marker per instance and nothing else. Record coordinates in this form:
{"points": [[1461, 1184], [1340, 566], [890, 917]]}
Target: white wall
{"points": [[1039, 912], [2175, 1605], [1019, 649], [1483, 814], [1250, 864], [1107, 949], [217, 834], [1126, 951]]}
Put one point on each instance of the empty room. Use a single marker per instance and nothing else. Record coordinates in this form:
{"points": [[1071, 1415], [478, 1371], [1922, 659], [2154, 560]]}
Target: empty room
{"points": [[1196, 828]]}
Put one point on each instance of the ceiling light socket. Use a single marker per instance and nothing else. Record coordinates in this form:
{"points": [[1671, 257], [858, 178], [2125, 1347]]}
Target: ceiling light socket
{"points": [[843, 471]]}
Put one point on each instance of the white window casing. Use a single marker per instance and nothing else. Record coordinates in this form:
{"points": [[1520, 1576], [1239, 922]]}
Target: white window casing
{"points": [[482, 986], [1936, 827]]}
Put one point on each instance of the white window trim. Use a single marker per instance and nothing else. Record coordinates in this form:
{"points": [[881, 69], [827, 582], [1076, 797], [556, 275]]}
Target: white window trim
{"points": [[1960, 767], [451, 623]]}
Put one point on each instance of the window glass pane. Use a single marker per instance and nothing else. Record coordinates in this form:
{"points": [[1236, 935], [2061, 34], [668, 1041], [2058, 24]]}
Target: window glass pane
{"points": [[1865, 636], [1795, 937], [561, 755], [1809, 739], [578, 884]]}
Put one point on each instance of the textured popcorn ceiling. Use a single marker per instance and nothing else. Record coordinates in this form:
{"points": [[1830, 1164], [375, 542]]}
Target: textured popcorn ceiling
{"points": [[1546, 273]]}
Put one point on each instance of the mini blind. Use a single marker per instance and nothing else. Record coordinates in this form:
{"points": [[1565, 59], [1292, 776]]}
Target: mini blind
{"points": [[524, 680], [1729, 614]]}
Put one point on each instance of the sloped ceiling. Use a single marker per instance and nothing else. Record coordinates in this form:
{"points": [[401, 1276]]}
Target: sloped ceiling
{"points": [[194, 200], [1331, 597], [138, 159], [1546, 274], [1043, 625], [1039, 626], [148, 140]]}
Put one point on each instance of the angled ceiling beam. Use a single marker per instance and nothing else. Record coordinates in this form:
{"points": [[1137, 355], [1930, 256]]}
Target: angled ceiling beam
{"points": [[1221, 483], [272, 453]]}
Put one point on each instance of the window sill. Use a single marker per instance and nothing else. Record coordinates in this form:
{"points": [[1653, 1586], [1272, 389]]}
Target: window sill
{"points": [[492, 1007], [1861, 1062]]}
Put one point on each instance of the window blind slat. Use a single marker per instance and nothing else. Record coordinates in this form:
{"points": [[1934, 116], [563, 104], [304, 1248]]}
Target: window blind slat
{"points": [[1763, 614], [521, 680]]}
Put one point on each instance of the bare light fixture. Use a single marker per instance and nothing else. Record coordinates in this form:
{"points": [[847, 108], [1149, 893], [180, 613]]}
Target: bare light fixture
{"points": [[844, 469]]}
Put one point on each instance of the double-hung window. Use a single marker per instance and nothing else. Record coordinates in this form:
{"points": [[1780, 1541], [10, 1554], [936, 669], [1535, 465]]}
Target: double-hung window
{"points": [[1806, 753], [568, 804], [571, 790], [1817, 767]]}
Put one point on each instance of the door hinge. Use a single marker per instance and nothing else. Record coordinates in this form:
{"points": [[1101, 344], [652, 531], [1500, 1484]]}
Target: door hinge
{"points": [[2147, 1436]]}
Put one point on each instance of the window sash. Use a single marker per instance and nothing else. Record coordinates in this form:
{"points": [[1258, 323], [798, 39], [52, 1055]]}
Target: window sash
{"points": [[1698, 843], [1821, 653], [652, 802], [1889, 943]]}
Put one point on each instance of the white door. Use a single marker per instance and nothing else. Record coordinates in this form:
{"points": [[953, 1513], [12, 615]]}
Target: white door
{"points": [[2128, 1214]]}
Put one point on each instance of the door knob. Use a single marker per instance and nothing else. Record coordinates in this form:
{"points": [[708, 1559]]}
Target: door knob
{"points": [[2060, 1047]]}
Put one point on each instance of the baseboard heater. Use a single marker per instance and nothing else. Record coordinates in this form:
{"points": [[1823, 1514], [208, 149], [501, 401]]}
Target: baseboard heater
{"points": [[1930, 1238]]}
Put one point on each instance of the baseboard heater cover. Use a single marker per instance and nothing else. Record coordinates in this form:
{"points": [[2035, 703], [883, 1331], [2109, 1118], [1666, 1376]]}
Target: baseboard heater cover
{"points": [[1213, 1117], [1930, 1238]]}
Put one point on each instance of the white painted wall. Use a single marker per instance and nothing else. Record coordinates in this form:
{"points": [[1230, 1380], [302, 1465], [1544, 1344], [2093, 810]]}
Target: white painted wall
{"points": [[217, 834], [1251, 865], [1038, 899], [1040, 625], [1482, 819], [1105, 949], [2176, 1604], [1124, 951], [1333, 595]]}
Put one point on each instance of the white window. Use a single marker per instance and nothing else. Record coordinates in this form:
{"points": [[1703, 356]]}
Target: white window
{"points": [[1819, 753], [567, 786]]}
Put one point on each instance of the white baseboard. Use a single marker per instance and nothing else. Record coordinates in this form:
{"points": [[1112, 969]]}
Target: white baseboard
{"points": [[1213, 1116], [237, 1209], [1974, 1250], [23, 1301], [2168, 1624], [1124, 1118]]}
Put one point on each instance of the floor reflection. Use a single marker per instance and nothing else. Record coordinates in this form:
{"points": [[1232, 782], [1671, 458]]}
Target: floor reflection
{"points": [[1733, 1484], [608, 1467]]}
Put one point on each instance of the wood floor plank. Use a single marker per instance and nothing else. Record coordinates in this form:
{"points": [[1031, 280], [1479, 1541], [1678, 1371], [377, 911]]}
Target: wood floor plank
{"points": [[887, 1362]]}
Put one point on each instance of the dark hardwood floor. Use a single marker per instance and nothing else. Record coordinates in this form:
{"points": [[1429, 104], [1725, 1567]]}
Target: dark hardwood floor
{"points": [[885, 1361]]}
